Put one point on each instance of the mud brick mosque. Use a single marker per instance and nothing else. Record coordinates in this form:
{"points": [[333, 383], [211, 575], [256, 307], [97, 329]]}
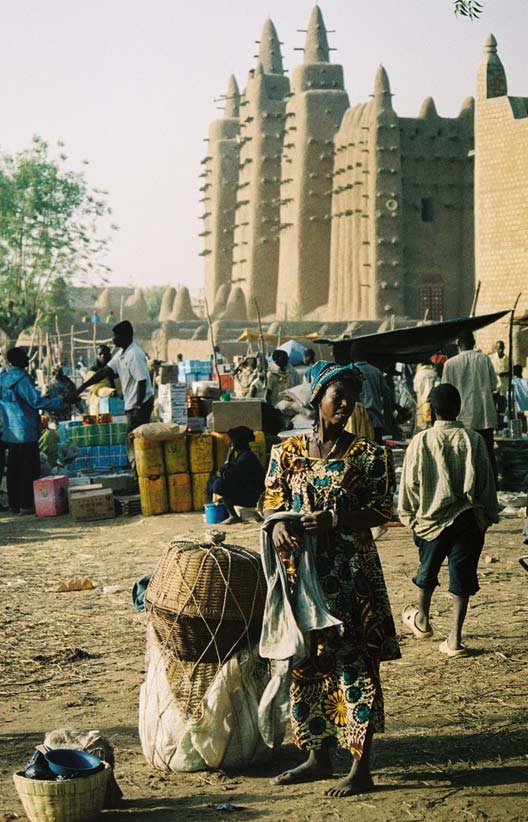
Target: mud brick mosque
{"points": [[323, 211]]}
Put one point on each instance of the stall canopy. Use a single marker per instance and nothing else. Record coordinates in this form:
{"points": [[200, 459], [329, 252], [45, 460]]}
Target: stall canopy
{"points": [[408, 345]]}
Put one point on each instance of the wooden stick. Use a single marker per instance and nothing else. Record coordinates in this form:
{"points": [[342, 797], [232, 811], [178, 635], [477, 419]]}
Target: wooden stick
{"points": [[211, 332], [510, 368], [35, 326], [72, 352], [475, 300], [263, 349], [59, 344]]}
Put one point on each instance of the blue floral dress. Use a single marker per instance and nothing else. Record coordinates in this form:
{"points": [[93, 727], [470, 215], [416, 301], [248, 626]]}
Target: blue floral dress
{"points": [[336, 692]]}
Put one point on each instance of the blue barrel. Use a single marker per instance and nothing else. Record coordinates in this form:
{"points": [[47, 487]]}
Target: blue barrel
{"points": [[215, 512]]}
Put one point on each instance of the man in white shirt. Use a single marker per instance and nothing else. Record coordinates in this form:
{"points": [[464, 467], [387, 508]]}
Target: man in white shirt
{"points": [[129, 364], [472, 373]]}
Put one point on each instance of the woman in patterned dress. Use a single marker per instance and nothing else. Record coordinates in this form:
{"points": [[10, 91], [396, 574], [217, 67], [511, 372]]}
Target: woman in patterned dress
{"points": [[344, 486]]}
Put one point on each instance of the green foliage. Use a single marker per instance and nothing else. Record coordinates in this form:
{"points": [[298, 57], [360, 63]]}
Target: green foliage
{"points": [[153, 298], [58, 305], [468, 8], [49, 230]]}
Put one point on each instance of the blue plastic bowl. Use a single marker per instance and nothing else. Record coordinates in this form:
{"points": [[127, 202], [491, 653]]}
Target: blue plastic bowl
{"points": [[72, 763]]}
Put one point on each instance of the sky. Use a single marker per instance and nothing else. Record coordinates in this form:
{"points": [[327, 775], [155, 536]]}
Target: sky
{"points": [[131, 87]]}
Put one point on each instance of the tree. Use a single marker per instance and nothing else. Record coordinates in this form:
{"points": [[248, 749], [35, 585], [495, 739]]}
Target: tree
{"points": [[468, 8], [58, 305], [49, 230], [153, 297]]}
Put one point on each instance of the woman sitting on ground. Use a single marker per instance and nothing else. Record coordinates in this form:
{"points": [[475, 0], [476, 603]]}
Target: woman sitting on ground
{"points": [[343, 485], [241, 480]]}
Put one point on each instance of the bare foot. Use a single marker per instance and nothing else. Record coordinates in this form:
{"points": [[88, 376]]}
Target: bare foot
{"points": [[307, 772], [351, 786]]}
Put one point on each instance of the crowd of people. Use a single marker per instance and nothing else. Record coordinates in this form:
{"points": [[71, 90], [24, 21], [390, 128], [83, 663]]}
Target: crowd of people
{"points": [[324, 491]]}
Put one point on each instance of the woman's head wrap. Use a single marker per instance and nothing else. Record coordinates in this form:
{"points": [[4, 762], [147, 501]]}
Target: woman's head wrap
{"points": [[324, 373]]}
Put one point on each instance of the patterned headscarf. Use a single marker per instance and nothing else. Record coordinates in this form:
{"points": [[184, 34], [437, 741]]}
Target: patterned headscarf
{"points": [[323, 373]]}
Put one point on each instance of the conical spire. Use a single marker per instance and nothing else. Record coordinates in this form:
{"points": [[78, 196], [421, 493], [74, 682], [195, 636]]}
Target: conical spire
{"points": [[381, 105], [236, 306], [270, 50], [316, 48], [491, 78], [467, 109], [166, 303], [381, 83], [428, 110], [232, 104], [182, 309]]}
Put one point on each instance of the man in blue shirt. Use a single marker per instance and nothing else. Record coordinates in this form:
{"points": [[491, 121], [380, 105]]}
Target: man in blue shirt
{"points": [[20, 403]]}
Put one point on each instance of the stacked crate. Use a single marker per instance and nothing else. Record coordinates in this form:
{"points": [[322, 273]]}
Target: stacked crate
{"points": [[101, 446]]}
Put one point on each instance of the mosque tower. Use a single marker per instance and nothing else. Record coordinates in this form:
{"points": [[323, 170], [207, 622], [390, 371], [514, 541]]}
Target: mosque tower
{"points": [[219, 190], [256, 236], [313, 116]]}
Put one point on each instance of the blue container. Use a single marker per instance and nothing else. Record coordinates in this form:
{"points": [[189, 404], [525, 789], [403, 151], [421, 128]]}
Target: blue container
{"points": [[72, 763], [215, 512]]}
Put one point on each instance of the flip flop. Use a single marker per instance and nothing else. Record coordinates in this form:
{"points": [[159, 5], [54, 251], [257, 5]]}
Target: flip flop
{"points": [[409, 621], [450, 652]]}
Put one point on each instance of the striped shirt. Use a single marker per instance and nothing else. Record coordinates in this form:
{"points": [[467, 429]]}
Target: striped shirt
{"points": [[446, 471]]}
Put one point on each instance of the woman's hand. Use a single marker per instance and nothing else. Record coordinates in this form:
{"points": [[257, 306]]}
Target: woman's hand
{"points": [[319, 522], [283, 540]]}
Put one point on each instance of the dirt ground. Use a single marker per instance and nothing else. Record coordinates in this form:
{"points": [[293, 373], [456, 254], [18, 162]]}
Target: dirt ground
{"points": [[456, 741]]}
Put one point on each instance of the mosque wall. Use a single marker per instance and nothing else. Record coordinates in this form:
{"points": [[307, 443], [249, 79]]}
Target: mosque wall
{"points": [[321, 210], [501, 174]]}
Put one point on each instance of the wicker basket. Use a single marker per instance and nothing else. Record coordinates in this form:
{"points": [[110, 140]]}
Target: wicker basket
{"points": [[210, 581], [74, 800], [203, 640]]}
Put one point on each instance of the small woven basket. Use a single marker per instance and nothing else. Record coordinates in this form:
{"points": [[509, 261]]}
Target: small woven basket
{"points": [[73, 800]]}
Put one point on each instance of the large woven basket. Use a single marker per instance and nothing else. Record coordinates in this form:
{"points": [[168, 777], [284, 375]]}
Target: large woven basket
{"points": [[192, 639], [206, 600], [209, 580], [74, 800]]}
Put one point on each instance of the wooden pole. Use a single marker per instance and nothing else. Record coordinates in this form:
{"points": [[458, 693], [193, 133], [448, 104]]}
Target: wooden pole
{"points": [[48, 359], [475, 300], [263, 351], [72, 353], [35, 326], [511, 406], [40, 348], [59, 343], [211, 332]]}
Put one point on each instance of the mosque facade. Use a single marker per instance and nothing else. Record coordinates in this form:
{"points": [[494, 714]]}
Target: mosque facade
{"points": [[318, 209]]}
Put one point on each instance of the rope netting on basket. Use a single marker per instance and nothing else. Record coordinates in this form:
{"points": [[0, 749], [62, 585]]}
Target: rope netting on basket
{"points": [[204, 606]]}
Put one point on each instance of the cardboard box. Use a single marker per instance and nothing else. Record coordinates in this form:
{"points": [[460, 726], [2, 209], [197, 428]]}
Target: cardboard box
{"points": [[51, 496], [228, 415], [74, 489], [168, 373], [111, 405], [116, 482], [92, 505], [173, 403]]}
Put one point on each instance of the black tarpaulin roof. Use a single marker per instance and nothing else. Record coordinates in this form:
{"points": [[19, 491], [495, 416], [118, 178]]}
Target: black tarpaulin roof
{"points": [[409, 345]]}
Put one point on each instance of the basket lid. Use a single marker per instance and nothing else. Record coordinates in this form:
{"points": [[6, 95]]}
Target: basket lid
{"points": [[208, 579]]}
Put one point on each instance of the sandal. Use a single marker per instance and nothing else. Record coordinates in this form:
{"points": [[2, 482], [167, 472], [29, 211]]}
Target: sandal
{"points": [[452, 652], [409, 621]]}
